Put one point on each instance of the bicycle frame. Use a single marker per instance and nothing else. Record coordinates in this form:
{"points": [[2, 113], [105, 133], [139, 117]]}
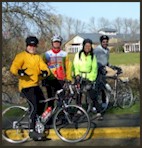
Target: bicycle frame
{"points": [[62, 103], [115, 88]]}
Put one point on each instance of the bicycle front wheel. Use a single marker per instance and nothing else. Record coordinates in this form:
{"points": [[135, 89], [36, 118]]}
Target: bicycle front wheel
{"points": [[124, 95], [71, 124], [15, 125]]}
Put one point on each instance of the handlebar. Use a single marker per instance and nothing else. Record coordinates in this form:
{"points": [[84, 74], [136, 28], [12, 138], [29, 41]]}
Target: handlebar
{"points": [[118, 69]]}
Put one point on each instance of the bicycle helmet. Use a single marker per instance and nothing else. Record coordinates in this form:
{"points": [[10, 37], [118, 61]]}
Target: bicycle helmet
{"points": [[104, 37], [56, 38], [32, 40]]}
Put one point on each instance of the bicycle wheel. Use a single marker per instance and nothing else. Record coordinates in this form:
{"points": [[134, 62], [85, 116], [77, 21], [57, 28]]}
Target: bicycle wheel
{"points": [[100, 101], [15, 125], [124, 95], [71, 124], [85, 103]]}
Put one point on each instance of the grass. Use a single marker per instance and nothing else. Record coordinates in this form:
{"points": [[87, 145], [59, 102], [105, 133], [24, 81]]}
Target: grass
{"points": [[120, 58], [132, 110], [124, 58]]}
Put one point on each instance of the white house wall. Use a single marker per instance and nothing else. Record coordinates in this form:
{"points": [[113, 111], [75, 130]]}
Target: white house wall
{"points": [[132, 47], [78, 40], [75, 48]]}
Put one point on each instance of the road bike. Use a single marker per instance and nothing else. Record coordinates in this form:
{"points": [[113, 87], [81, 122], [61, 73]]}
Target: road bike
{"points": [[80, 94], [118, 89], [15, 121]]}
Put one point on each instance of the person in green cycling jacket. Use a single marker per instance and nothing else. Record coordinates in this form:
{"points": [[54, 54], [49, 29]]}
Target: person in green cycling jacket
{"points": [[85, 65]]}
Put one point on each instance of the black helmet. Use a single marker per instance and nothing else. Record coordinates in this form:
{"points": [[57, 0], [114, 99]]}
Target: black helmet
{"points": [[87, 41], [104, 37], [32, 40]]}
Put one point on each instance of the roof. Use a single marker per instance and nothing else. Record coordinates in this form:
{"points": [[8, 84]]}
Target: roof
{"points": [[108, 30], [95, 37]]}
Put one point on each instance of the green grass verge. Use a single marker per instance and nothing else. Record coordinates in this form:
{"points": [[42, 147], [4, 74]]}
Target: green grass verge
{"points": [[120, 58], [132, 110], [124, 58]]}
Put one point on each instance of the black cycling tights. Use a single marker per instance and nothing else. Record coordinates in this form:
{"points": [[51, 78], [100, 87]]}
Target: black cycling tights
{"points": [[51, 87], [34, 95]]}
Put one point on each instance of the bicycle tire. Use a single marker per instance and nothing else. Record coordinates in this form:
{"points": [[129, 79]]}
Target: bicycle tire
{"points": [[103, 109], [124, 95], [75, 131], [10, 131]]}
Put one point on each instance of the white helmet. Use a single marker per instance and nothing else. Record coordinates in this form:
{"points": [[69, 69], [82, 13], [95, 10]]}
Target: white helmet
{"points": [[56, 38]]}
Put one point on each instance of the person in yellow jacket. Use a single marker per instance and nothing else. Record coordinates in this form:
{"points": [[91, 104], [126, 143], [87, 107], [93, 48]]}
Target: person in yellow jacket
{"points": [[59, 65], [85, 65], [30, 68]]}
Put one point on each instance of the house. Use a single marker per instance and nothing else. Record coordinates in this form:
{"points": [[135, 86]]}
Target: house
{"points": [[130, 44], [132, 47], [107, 31]]}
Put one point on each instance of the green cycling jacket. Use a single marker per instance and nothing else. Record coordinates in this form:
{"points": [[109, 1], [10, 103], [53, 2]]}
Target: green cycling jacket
{"points": [[85, 66]]}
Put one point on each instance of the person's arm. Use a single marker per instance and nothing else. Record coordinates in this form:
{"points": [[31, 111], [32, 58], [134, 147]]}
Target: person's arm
{"points": [[76, 65], [43, 66], [68, 66], [17, 64], [93, 74]]}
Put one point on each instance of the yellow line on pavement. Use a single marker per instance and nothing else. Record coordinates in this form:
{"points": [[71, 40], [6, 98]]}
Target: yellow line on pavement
{"points": [[109, 132], [112, 132]]}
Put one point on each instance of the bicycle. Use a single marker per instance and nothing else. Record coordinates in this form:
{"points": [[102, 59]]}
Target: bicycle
{"points": [[81, 96], [120, 93], [79, 93], [65, 117]]}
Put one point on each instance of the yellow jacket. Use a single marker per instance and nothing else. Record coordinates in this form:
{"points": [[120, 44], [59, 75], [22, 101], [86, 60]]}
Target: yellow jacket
{"points": [[34, 65]]}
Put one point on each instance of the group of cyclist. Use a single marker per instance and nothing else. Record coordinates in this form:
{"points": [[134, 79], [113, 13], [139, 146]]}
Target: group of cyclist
{"points": [[53, 68]]}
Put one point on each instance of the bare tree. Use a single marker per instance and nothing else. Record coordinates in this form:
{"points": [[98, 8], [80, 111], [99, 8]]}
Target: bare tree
{"points": [[20, 19], [125, 26], [117, 23], [103, 23], [69, 23], [134, 26], [92, 25], [29, 17], [78, 26]]}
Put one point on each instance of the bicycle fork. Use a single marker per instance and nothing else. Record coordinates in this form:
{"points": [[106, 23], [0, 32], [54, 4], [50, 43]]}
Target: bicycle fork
{"points": [[67, 117]]}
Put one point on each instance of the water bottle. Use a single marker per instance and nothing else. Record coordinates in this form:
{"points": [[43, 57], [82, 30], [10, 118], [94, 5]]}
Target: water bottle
{"points": [[46, 114]]}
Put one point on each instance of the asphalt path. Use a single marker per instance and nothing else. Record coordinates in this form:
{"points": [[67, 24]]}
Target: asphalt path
{"points": [[112, 122]]}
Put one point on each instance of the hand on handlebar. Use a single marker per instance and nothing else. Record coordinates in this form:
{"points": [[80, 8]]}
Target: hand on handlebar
{"points": [[77, 78]]}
